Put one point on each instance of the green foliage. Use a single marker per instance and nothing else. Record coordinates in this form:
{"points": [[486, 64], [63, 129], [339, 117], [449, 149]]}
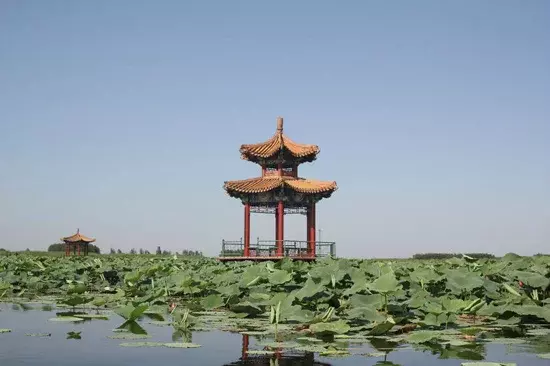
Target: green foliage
{"points": [[327, 298]]}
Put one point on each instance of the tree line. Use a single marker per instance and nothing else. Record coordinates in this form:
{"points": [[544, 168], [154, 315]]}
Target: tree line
{"points": [[451, 255], [159, 251]]}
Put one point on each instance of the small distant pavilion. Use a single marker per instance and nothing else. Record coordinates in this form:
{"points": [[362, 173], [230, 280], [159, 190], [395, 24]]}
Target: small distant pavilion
{"points": [[77, 241], [279, 191]]}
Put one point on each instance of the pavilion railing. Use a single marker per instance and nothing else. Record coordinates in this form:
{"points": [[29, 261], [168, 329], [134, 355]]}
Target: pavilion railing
{"points": [[268, 248]]}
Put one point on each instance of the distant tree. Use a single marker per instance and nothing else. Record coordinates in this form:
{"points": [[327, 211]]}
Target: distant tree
{"points": [[119, 251], [166, 252], [113, 251], [132, 251], [140, 251], [147, 252], [159, 252]]}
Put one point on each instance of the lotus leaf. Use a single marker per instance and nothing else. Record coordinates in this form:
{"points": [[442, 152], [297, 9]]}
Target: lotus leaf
{"points": [[365, 313], [66, 319], [336, 327], [279, 277], [385, 284], [213, 301], [422, 336]]}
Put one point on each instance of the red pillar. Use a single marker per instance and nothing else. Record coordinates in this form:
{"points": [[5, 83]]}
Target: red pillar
{"points": [[247, 229], [311, 229], [276, 228], [280, 228], [244, 349], [308, 231]]}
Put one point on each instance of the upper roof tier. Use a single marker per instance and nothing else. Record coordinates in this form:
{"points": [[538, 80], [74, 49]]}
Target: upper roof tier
{"points": [[279, 148], [77, 238]]}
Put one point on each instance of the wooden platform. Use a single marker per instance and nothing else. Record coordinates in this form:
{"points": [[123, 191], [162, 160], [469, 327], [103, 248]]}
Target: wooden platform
{"points": [[264, 259]]}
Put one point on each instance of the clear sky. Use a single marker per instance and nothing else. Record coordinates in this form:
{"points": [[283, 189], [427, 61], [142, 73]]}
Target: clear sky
{"points": [[124, 118]]}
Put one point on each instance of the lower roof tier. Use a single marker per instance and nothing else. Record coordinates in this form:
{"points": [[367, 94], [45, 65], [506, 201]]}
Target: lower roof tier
{"points": [[273, 188]]}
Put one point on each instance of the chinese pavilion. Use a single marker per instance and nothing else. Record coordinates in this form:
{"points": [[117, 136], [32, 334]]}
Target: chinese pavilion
{"points": [[278, 191], [77, 240]]}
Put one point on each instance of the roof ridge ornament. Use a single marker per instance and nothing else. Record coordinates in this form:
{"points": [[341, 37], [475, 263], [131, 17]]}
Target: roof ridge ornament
{"points": [[280, 124]]}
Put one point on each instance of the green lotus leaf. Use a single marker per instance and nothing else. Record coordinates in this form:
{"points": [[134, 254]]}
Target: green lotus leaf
{"points": [[365, 313], [66, 319], [213, 301], [278, 277], [336, 327], [422, 336], [131, 313], [246, 307], [181, 345], [385, 284]]}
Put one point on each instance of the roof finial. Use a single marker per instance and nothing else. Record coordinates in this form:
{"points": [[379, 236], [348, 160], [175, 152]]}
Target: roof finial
{"points": [[280, 124], [77, 230]]}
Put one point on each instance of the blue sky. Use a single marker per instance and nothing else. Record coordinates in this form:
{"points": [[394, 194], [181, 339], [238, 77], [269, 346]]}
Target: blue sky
{"points": [[125, 118]]}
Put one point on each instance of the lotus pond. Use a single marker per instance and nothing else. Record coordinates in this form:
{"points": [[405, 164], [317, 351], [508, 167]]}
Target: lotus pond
{"points": [[118, 310]]}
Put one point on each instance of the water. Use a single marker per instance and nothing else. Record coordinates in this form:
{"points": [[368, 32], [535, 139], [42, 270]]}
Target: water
{"points": [[217, 347]]}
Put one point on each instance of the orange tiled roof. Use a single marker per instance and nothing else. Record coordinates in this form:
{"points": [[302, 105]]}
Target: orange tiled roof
{"points": [[266, 184], [275, 144], [78, 237]]}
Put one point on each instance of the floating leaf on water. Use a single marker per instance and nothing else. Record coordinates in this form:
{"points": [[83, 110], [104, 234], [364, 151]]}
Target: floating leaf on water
{"points": [[544, 356], [129, 336], [334, 352], [38, 334], [5, 331], [181, 345], [66, 319], [313, 348], [309, 340], [160, 323], [374, 354], [92, 316], [142, 344], [422, 336], [253, 333]]}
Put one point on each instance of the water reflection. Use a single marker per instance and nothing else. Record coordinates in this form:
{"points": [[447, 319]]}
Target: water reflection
{"points": [[470, 352], [288, 358]]}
